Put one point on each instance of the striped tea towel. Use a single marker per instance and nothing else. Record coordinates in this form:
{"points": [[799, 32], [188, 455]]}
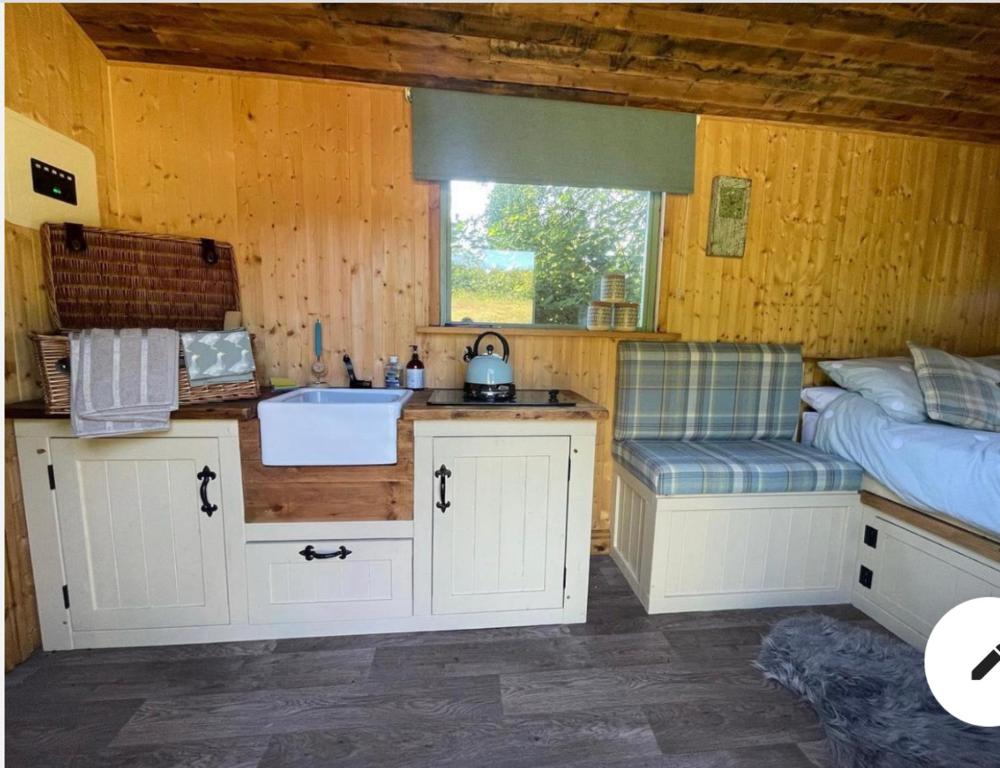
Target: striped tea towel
{"points": [[122, 381]]}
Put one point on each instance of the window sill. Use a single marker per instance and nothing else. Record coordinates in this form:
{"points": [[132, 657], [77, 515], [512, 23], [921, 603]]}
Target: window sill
{"points": [[473, 330]]}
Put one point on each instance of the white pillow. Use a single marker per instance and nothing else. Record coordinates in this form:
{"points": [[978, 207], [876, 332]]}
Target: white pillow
{"points": [[810, 423], [889, 381], [819, 398]]}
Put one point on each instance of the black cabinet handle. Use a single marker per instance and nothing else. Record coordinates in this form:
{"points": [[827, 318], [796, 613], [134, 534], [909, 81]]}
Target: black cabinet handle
{"points": [[443, 474], [205, 476], [310, 553]]}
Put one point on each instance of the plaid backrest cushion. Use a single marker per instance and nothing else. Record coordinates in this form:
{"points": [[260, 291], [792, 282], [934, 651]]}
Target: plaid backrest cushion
{"points": [[957, 390], [704, 391]]}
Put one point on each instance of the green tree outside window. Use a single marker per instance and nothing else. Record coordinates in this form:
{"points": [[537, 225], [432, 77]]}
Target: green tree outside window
{"points": [[525, 254]]}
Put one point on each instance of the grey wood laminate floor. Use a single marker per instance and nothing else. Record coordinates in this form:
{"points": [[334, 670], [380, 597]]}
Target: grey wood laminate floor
{"points": [[624, 689]]}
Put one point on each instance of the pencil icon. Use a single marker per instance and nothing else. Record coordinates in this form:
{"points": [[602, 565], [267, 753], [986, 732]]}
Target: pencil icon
{"points": [[983, 668]]}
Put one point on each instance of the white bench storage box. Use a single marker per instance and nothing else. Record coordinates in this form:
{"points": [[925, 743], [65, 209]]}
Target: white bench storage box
{"points": [[716, 506]]}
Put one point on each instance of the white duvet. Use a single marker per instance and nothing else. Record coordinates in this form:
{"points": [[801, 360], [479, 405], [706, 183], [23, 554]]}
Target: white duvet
{"points": [[951, 470]]}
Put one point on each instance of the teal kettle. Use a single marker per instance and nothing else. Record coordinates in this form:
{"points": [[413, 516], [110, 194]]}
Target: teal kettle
{"points": [[489, 377]]}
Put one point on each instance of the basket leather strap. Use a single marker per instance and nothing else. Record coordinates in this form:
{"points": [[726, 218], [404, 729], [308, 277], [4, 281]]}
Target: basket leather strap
{"points": [[209, 253], [75, 240]]}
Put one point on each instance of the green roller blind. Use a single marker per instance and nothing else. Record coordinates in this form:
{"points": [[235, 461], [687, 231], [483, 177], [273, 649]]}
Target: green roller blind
{"points": [[517, 140]]}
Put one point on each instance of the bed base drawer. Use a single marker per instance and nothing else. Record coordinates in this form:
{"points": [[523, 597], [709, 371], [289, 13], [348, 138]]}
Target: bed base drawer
{"points": [[908, 578]]}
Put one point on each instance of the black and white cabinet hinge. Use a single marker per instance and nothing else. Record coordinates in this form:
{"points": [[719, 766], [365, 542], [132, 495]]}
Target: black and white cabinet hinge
{"points": [[52, 477], [66, 596]]}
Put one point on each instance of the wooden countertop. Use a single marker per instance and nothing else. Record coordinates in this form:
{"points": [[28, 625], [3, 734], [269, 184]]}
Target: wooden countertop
{"points": [[240, 410], [419, 410], [416, 409]]}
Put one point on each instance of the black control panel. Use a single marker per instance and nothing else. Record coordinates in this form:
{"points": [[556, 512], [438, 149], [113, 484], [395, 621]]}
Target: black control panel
{"points": [[53, 182]]}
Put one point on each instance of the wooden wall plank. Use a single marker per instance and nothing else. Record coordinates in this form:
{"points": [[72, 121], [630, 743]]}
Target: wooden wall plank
{"points": [[21, 628], [856, 243], [55, 75]]}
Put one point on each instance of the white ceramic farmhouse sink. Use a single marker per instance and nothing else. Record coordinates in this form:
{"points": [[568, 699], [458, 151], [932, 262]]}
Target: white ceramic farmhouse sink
{"points": [[331, 427]]}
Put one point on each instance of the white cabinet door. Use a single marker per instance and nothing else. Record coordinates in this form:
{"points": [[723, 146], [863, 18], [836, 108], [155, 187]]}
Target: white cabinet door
{"points": [[139, 550], [500, 542]]}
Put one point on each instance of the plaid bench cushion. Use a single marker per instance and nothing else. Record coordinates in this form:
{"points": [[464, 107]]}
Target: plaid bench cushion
{"points": [[671, 467], [704, 391]]}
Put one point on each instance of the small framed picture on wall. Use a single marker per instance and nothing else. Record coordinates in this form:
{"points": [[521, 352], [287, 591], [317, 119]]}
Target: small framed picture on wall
{"points": [[727, 221]]}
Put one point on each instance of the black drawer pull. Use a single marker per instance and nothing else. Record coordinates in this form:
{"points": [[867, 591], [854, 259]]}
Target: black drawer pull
{"points": [[310, 553], [205, 476], [444, 473]]}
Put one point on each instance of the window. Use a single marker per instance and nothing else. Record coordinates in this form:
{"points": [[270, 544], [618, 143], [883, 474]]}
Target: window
{"points": [[522, 254]]}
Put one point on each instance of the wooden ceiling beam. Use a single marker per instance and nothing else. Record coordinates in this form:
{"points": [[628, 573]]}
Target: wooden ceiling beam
{"points": [[870, 22], [425, 55], [977, 15], [809, 64], [486, 83], [707, 22]]}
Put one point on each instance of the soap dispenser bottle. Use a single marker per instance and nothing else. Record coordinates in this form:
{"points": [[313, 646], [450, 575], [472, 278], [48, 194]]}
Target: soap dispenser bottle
{"points": [[392, 373], [415, 371]]}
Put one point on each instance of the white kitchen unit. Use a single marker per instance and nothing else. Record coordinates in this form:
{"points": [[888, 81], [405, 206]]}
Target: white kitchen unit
{"points": [[134, 539], [505, 509], [142, 541], [500, 526], [500, 537]]}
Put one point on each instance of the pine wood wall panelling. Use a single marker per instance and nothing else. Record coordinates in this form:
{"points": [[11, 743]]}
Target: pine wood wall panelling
{"points": [[856, 242], [21, 628], [170, 129], [309, 179], [55, 75]]}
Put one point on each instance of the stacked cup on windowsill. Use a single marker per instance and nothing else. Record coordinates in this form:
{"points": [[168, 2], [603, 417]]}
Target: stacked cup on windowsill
{"points": [[611, 311]]}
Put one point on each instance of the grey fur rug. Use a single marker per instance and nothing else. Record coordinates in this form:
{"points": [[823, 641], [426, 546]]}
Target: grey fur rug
{"points": [[871, 695]]}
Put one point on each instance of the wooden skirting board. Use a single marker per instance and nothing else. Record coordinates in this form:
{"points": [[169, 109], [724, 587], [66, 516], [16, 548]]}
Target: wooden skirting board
{"points": [[953, 534], [290, 494]]}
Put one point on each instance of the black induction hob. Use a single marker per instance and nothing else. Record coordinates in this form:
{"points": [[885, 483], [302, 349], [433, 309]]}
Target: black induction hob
{"points": [[550, 398]]}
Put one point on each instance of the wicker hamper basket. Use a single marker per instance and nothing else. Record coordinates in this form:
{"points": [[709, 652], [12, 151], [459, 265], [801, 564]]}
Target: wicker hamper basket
{"points": [[105, 278]]}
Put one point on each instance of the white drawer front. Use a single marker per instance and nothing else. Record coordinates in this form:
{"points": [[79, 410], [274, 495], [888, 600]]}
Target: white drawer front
{"points": [[373, 581]]}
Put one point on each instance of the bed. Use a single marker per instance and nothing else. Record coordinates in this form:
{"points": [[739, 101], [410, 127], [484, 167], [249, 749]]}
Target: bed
{"points": [[930, 534], [934, 468]]}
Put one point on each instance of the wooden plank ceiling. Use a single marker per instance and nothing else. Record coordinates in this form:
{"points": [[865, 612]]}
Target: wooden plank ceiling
{"points": [[920, 69]]}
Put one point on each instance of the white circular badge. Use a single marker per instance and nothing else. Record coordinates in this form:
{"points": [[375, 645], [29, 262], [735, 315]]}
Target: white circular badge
{"points": [[962, 661]]}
